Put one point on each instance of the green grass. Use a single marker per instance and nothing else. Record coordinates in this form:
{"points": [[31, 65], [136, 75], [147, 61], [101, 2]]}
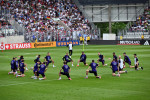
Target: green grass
{"points": [[132, 86]]}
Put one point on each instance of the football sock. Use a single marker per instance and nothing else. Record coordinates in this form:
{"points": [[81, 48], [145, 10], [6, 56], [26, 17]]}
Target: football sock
{"points": [[117, 74], [41, 78], [10, 72], [26, 68]]}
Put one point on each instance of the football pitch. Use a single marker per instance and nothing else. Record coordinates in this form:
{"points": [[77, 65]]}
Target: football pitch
{"points": [[135, 85]]}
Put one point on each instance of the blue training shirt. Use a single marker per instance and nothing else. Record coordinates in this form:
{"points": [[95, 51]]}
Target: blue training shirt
{"points": [[36, 66], [83, 57], [22, 66], [42, 68], [127, 59], [93, 66], [115, 57], [48, 58], [66, 57], [101, 57], [16, 64], [114, 65], [66, 68], [13, 64]]}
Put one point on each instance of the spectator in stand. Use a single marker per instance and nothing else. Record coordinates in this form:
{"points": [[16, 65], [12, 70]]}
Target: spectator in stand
{"points": [[38, 16]]}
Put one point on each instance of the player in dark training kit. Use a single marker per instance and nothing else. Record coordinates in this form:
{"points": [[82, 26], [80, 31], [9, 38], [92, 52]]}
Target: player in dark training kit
{"points": [[67, 59], [13, 67], [136, 63], [82, 59], [114, 56], [66, 70], [17, 64], [101, 59], [37, 59], [22, 69], [127, 60], [36, 69], [114, 66], [48, 60], [93, 65], [42, 71], [20, 60]]}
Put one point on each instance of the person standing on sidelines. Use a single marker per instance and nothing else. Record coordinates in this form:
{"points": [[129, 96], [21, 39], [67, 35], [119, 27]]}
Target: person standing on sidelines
{"points": [[70, 46]]}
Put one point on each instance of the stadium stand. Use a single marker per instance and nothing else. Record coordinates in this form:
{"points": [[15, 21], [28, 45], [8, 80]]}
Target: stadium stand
{"points": [[39, 17], [140, 27], [106, 2]]}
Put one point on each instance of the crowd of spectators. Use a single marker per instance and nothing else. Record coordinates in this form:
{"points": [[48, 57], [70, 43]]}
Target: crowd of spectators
{"points": [[39, 18], [142, 24]]}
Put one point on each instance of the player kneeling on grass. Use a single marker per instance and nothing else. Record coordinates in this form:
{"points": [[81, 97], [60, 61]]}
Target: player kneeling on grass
{"points": [[82, 59], [93, 65], [120, 61], [66, 72], [114, 66], [48, 60], [136, 63], [42, 71], [22, 69], [13, 67], [35, 70], [20, 60], [67, 59], [101, 59], [127, 60]]}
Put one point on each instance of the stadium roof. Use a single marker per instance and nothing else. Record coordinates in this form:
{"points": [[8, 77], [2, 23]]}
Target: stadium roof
{"points": [[106, 2]]}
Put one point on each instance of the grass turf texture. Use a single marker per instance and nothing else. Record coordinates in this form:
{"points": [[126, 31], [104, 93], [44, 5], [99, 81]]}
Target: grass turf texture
{"points": [[131, 86]]}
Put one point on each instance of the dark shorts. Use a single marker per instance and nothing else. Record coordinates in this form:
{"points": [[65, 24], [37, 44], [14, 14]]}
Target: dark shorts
{"points": [[114, 71], [35, 71], [47, 63], [70, 52], [22, 71], [103, 61], [43, 75], [67, 74], [13, 69], [95, 72], [136, 66], [129, 63], [84, 61], [120, 69]]}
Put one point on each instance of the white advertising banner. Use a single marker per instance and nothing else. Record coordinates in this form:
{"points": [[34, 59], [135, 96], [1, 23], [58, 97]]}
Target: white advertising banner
{"points": [[109, 36]]}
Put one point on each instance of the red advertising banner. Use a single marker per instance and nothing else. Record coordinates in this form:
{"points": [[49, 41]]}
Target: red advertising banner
{"points": [[2, 46], [17, 46]]}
